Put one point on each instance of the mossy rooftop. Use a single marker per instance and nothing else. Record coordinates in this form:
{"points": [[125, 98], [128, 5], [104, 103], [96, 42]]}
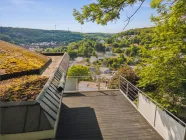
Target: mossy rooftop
{"points": [[17, 59], [25, 88]]}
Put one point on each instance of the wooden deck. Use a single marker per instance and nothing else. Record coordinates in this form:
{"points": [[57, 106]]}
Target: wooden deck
{"points": [[102, 115]]}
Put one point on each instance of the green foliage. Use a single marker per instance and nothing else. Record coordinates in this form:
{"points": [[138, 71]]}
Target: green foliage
{"points": [[117, 50], [138, 36], [5, 38], [28, 36], [72, 54], [115, 63], [124, 71], [79, 70], [102, 12], [132, 51], [115, 45], [85, 48], [163, 63], [99, 47], [163, 67]]}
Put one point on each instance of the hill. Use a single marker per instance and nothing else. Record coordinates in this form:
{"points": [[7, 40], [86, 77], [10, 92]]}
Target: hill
{"points": [[16, 59], [140, 36], [28, 36]]}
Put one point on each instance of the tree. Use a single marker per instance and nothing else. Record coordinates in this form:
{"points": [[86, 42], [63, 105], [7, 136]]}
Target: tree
{"points": [[163, 67], [79, 70], [5, 38], [117, 50], [124, 43], [72, 46], [103, 11], [115, 45], [124, 71], [93, 53], [72, 54], [28, 36], [99, 47], [114, 65], [109, 40]]}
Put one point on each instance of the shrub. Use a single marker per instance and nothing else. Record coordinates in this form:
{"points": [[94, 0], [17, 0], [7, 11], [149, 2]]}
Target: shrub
{"points": [[126, 72], [79, 70]]}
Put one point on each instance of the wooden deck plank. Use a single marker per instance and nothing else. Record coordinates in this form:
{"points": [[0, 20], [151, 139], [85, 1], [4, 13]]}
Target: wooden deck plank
{"points": [[102, 115]]}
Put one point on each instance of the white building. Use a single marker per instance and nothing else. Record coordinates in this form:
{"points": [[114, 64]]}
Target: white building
{"points": [[105, 70], [93, 59], [102, 41]]}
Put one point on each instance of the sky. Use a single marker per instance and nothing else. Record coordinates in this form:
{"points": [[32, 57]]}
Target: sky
{"points": [[45, 14]]}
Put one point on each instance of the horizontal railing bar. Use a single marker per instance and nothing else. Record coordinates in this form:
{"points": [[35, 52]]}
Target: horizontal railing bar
{"points": [[124, 87], [121, 82], [180, 121], [90, 90], [129, 83], [132, 89], [129, 93], [132, 95], [77, 76]]}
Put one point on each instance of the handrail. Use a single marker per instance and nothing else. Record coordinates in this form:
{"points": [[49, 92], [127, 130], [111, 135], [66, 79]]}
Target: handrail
{"points": [[98, 80], [86, 76], [180, 121], [79, 76]]}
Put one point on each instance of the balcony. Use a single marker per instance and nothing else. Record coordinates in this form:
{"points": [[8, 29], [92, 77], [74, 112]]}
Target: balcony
{"points": [[102, 115], [88, 111]]}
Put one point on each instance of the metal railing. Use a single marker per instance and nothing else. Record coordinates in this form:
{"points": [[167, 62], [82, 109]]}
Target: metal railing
{"points": [[153, 112], [88, 83]]}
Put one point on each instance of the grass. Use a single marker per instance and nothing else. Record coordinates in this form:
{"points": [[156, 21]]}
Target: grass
{"points": [[25, 88], [16, 59]]}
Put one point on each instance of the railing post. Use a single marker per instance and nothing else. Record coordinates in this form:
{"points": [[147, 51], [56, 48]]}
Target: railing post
{"points": [[127, 89], [119, 81], [98, 83], [138, 100], [77, 85], [155, 116]]}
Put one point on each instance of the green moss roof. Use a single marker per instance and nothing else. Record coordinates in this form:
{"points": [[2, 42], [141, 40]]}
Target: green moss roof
{"points": [[16, 59]]}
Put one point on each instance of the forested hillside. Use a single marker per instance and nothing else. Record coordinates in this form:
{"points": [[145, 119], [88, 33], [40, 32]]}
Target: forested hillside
{"points": [[126, 43], [139, 36], [27, 36]]}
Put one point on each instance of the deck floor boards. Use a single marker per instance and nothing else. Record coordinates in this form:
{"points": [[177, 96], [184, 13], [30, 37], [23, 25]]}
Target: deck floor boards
{"points": [[102, 115]]}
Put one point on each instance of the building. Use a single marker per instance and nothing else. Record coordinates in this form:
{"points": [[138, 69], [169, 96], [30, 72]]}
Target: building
{"points": [[102, 41], [124, 113], [105, 70]]}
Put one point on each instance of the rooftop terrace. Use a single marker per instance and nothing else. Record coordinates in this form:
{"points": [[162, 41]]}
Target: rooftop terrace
{"points": [[124, 113], [102, 115]]}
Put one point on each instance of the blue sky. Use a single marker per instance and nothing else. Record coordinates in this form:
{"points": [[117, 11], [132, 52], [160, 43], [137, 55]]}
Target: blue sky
{"points": [[45, 14]]}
